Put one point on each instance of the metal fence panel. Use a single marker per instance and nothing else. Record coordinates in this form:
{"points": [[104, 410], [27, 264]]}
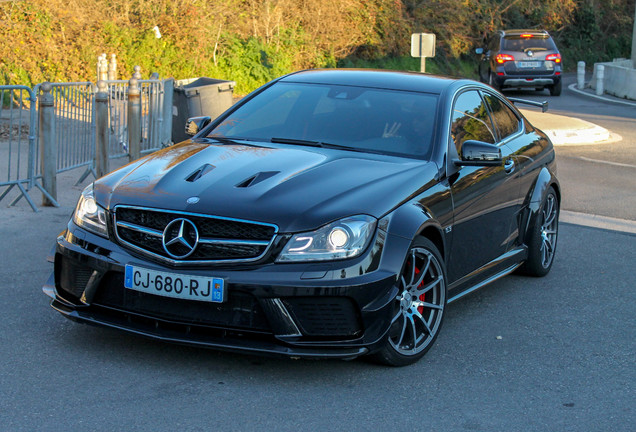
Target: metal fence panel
{"points": [[152, 98], [17, 141]]}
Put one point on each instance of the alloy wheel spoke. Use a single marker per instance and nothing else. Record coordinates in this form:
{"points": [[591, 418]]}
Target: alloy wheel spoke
{"points": [[427, 288], [423, 321], [414, 332], [399, 343], [395, 318]]}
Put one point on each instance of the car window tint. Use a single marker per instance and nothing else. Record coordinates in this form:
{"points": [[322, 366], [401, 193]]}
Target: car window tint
{"points": [[471, 120], [506, 122], [536, 43], [377, 120]]}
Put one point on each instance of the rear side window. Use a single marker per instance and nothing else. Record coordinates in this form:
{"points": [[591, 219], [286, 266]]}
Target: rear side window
{"points": [[506, 122], [534, 43], [471, 120]]}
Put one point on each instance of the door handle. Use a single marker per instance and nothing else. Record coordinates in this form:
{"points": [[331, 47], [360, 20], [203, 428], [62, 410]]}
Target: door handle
{"points": [[509, 166]]}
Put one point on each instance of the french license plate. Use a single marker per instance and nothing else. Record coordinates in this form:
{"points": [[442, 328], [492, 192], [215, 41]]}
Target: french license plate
{"points": [[531, 64], [175, 285]]}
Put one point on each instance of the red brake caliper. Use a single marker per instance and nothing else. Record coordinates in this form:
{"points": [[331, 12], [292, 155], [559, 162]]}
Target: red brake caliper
{"points": [[420, 309]]}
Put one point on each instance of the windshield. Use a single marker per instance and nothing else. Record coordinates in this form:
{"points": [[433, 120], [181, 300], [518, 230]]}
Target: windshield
{"points": [[356, 118]]}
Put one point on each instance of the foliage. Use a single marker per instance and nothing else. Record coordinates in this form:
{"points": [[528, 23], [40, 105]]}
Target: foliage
{"points": [[253, 41]]}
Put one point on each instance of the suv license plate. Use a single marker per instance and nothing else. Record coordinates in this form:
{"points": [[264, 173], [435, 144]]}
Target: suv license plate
{"points": [[175, 285], [532, 64]]}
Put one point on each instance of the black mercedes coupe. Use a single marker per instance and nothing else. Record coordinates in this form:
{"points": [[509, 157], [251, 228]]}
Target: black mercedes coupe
{"points": [[329, 214]]}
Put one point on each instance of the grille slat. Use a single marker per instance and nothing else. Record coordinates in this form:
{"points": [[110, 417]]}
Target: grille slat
{"points": [[220, 239]]}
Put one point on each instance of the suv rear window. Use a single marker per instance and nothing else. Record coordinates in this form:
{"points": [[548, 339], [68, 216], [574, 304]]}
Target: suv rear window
{"points": [[537, 43]]}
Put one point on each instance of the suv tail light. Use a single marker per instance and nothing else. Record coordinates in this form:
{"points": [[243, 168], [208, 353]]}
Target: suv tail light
{"points": [[554, 57], [502, 58]]}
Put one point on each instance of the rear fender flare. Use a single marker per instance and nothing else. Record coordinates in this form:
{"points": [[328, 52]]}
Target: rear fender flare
{"points": [[545, 179]]}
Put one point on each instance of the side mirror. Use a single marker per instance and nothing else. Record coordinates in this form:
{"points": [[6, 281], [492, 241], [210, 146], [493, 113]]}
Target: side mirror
{"points": [[478, 153], [479, 51], [195, 124]]}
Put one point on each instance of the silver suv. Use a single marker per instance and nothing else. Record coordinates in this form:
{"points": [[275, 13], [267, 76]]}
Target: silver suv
{"points": [[521, 58]]}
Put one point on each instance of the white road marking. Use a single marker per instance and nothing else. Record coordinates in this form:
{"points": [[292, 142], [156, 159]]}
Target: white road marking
{"points": [[607, 162]]}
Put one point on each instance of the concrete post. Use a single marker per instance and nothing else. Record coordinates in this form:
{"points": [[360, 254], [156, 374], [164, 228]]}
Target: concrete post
{"points": [[137, 73], [101, 130], [634, 43], [134, 120], [102, 68], [48, 150], [166, 116], [600, 76], [112, 68], [580, 75]]}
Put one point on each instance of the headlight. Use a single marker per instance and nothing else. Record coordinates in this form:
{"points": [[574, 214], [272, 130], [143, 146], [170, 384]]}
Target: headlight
{"points": [[89, 215], [345, 238]]}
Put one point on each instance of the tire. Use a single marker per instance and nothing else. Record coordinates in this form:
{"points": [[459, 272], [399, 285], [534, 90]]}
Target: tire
{"points": [[418, 308], [555, 90], [492, 82], [543, 239]]}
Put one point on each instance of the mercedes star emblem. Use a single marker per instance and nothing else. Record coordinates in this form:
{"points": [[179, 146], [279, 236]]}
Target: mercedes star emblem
{"points": [[180, 238]]}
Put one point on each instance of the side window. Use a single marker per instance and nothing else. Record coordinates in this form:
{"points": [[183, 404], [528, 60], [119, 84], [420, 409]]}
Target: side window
{"points": [[470, 120], [506, 122]]}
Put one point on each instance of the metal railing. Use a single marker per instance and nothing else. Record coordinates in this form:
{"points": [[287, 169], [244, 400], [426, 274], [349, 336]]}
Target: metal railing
{"points": [[18, 129], [52, 129]]}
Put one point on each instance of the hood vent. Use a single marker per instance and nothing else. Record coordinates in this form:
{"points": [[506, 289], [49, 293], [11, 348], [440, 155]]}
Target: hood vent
{"points": [[256, 178], [200, 172]]}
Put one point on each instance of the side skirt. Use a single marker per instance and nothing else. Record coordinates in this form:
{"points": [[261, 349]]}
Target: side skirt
{"points": [[516, 256]]}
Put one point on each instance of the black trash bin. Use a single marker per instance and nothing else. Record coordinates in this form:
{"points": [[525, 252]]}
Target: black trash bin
{"points": [[198, 97]]}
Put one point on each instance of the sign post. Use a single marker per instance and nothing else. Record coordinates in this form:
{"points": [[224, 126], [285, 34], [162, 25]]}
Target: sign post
{"points": [[422, 46]]}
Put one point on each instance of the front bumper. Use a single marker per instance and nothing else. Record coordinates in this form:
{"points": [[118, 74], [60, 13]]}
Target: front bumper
{"points": [[328, 310]]}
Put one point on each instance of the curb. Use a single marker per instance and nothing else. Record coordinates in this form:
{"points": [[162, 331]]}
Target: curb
{"points": [[597, 221], [566, 131], [595, 96]]}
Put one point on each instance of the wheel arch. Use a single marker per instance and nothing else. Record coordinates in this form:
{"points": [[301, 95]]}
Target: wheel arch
{"points": [[544, 181], [412, 221]]}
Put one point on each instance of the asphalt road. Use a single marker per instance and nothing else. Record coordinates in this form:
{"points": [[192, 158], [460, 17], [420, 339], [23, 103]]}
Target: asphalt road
{"points": [[596, 179], [522, 354]]}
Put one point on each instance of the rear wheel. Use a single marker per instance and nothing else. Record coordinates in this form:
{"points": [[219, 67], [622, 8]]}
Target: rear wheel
{"points": [[418, 308], [543, 241], [555, 90]]}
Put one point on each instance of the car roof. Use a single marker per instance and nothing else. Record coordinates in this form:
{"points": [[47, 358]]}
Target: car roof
{"points": [[516, 32], [382, 79]]}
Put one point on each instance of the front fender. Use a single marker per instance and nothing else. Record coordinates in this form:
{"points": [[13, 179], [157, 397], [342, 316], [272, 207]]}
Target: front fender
{"points": [[429, 215]]}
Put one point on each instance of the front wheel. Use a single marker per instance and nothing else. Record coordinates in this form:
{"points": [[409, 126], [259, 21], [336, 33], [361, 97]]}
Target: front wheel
{"points": [[418, 308], [543, 239]]}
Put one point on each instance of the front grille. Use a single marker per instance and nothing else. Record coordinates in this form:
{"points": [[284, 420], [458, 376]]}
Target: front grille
{"points": [[325, 316], [220, 239], [239, 311]]}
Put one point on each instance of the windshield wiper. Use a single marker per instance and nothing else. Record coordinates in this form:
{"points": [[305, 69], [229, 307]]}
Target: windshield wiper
{"points": [[237, 141], [296, 141], [320, 144], [224, 140]]}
